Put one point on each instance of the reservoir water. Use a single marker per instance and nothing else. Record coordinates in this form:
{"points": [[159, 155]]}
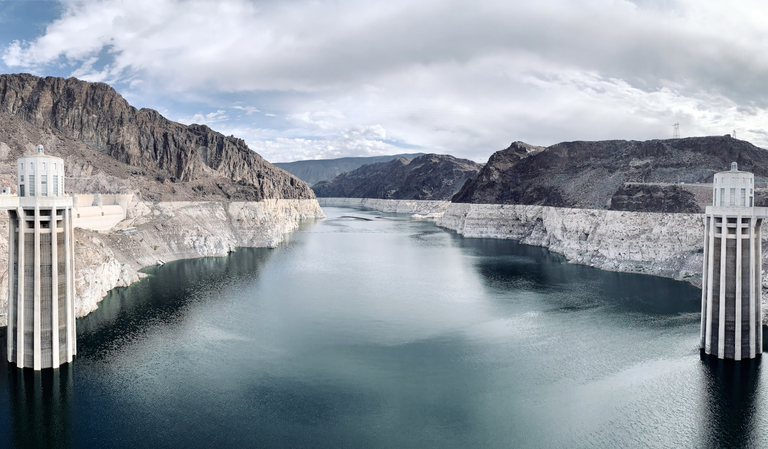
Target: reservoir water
{"points": [[388, 333]]}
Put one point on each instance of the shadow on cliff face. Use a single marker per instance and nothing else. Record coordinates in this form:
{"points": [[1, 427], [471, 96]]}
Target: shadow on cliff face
{"points": [[510, 265], [163, 297]]}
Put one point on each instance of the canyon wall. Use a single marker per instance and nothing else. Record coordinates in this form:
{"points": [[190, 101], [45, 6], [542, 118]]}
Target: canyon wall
{"points": [[661, 244], [167, 231]]}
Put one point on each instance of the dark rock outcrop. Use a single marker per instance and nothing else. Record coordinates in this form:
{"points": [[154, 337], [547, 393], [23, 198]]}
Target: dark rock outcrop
{"points": [[588, 174], [654, 198], [491, 185], [314, 171], [761, 198], [96, 115], [428, 177]]}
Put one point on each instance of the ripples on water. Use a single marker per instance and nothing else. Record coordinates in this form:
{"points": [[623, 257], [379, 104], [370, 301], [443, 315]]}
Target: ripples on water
{"points": [[386, 333]]}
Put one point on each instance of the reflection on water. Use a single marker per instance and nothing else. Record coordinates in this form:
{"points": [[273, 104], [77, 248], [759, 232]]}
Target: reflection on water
{"points": [[730, 390], [40, 405], [128, 312], [510, 265]]}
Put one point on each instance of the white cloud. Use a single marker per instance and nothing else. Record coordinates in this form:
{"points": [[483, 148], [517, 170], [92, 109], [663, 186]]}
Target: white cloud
{"points": [[287, 146], [319, 119], [347, 144], [465, 78], [248, 109], [205, 119]]}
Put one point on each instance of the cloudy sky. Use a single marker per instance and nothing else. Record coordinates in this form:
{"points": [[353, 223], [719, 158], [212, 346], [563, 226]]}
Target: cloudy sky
{"points": [[321, 79]]}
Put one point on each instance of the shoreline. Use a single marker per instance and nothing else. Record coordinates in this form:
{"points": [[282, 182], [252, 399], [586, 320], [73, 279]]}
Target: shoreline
{"points": [[669, 245], [167, 231], [661, 244]]}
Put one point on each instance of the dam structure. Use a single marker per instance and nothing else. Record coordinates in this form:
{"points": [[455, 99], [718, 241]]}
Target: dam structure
{"points": [[41, 313], [731, 310]]}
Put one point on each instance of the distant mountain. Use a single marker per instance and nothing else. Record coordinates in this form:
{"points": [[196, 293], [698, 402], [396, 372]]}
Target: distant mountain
{"points": [[318, 170], [428, 177], [593, 175]]}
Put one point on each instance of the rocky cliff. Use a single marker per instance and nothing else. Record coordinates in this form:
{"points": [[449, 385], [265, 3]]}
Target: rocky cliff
{"points": [[100, 134], [428, 177], [588, 174], [654, 198], [669, 245], [661, 244]]}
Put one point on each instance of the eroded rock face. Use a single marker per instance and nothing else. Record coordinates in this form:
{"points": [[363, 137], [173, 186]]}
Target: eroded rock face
{"points": [[166, 151], [428, 177], [492, 184], [654, 198], [669, 245], [588, 174]]}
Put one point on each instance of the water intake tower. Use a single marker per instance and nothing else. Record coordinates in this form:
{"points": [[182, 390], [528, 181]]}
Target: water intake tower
{"points": [[41, 295], [731, 310]]}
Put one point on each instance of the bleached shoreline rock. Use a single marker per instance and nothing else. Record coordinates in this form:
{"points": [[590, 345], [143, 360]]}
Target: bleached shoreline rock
{"points": [[668, 245], [167, 231], [661, 244]]}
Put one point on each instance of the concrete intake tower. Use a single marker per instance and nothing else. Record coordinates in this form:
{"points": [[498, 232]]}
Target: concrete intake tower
{"points": [[41, 296], [731, 310]]}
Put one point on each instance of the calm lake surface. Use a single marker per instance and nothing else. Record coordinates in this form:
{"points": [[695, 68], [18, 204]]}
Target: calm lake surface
{"points": [[388, 333]]}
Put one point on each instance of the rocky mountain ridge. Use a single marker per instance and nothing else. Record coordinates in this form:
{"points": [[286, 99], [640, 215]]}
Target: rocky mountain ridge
{"points": [[314, 171], [428, 177], [587, 175], [87, 120]]}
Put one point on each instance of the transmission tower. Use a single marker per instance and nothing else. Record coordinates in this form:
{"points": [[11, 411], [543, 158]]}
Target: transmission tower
{"points": [[734, 133], [676, 131]]}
